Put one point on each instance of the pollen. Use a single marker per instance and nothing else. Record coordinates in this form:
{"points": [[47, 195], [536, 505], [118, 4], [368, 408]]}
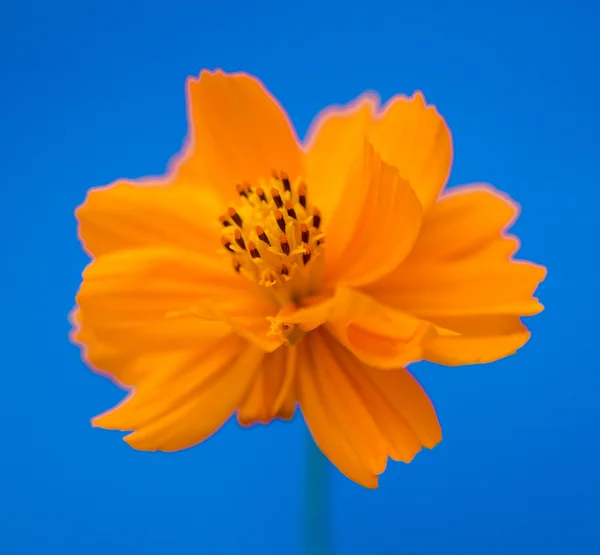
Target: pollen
{"points": [[274, 235]]}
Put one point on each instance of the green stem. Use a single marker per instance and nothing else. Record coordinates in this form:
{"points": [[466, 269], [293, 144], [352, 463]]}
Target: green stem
{"points": [[317, 498]]}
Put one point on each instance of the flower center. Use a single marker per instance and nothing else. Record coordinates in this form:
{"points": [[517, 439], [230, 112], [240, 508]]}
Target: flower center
{"points": [[274, 237]]}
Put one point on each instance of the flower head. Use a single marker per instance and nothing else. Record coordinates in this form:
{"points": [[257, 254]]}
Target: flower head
{"points": [[261, 274]]}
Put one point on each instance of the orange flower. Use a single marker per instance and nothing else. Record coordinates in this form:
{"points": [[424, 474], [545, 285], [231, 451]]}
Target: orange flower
{"points": [[314, 285]]}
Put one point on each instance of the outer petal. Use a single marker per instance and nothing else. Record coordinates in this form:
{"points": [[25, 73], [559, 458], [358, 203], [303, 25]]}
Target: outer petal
{"points": [[374, 226], [237, 132], [461, 277], [340, 424], [407, 133], [163, 299], [187, 404], [272, 394], [123, 368], [128, 215], [358, 415]]}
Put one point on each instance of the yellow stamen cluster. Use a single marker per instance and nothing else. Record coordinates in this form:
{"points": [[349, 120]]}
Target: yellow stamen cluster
{"points": [[275, 238]]}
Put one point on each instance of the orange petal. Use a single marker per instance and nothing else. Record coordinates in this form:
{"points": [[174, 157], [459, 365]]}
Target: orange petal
{"points": [[345, 405], [272, 393], [127, 215], [374, 226], [329, 425], [164, 299], [461, 277], [237, 132], [399, 406], [122, 368], [335, 143], [475, 339], [190, 406], [407, 133], [414, 138], [376, 334]]}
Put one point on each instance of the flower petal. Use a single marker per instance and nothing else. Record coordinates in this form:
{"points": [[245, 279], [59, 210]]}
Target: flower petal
{"points": [[127, 215], [189, 403], [164, 299], [122, 368], [374, 226], [237, 132], [400, 407], [335, 142], [406, 133], [331, 419], [475, 339], [413, 137], [359, 415], [461, 277], [378, 335], [272, 393]]}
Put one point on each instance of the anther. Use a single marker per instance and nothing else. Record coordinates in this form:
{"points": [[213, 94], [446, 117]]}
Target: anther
{"points": [[224, 220], [276, 197], [290, 209], [284, 270], [279, 219], [226, 244], [302, 195], [253, 250], [304, 233], [236, 266], [286, 182], [320, 241], [316, 218], [306, 254], [239, 239], [261, 194], [234, 216], [262, 235], [285, 246], [241, 190]]}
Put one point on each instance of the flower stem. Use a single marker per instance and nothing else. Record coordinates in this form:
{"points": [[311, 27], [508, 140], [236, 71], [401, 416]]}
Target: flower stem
{"points": [[317, 511]]}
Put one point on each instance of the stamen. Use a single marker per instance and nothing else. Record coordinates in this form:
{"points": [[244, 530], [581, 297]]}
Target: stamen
{"points": [[261, 194], [253, 250], [274, 233], [316, 217], [276, 197], [227, 244], [241, 190], [306, 255], [239, 239], [262, 235], [304, 235], [290, 209], [285, 246], [286, 182], [279, 219], [302, 195], [235, 216]]}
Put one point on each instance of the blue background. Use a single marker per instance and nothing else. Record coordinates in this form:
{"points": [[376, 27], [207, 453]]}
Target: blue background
{"points": [[92, 91]]}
